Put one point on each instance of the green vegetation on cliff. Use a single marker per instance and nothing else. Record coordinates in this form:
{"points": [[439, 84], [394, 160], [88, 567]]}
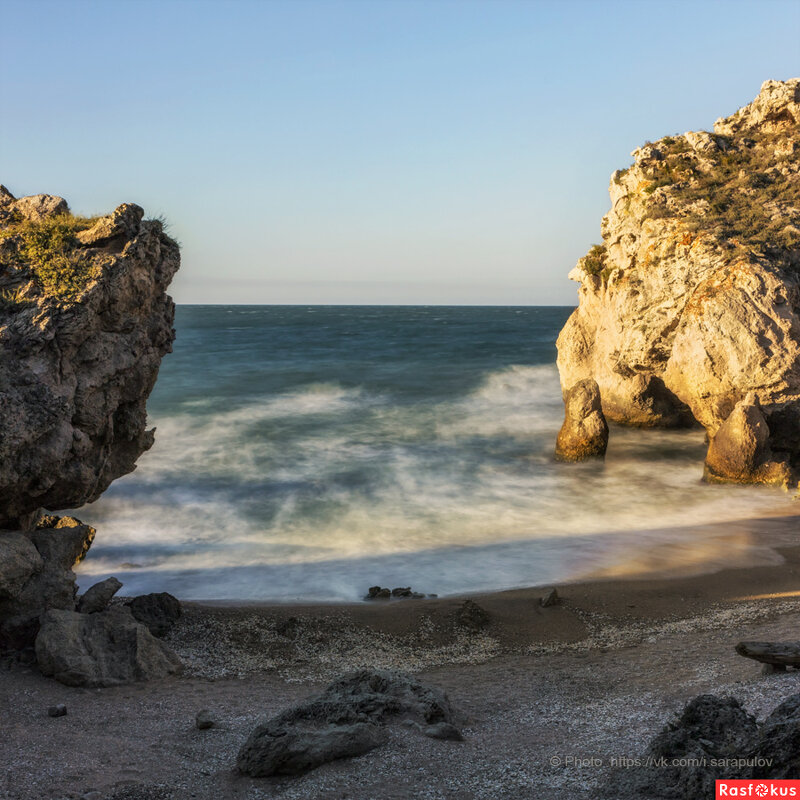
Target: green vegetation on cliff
{"points": [[50, 250], [745, 192]]}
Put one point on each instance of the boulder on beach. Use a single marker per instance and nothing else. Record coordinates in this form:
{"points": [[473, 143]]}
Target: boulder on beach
{"points": [[472, 617], [158, 611], [779, 742], [107, 648], [84, 323], [347, 719], [689, 310], [36, 575], [713, 737]]}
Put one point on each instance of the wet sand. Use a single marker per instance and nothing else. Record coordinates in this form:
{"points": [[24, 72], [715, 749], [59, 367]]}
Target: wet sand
{"points": [[593, 677]]}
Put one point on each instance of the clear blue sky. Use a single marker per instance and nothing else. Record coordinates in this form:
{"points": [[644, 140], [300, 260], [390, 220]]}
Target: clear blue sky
{"points": [[383, 151]]}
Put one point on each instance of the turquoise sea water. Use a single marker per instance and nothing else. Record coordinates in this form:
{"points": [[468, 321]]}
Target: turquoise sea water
{"points": [[308, 452]]}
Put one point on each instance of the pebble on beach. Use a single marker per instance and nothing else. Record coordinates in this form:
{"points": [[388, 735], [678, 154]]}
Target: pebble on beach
{"points": [[204, 720]]}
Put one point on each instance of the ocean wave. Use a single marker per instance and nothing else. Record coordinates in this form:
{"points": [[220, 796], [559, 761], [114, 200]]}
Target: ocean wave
{"points": [[338, 481]]}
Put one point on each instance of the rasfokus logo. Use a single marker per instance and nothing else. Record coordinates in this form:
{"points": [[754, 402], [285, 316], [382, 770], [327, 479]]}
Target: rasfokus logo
{"points": [[758, 788]]}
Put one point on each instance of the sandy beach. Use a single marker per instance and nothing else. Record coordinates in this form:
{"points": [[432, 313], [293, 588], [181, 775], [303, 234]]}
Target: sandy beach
{"points": [[546, 697]]}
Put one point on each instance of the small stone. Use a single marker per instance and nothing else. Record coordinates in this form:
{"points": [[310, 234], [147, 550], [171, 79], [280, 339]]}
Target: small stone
{"points": [[471, 615], [444, 730], [204, 720], [57, 711], [550, 599], [401, 591]]}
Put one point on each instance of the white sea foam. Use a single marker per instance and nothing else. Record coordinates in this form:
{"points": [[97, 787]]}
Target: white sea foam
{"points": [[321, 492]]}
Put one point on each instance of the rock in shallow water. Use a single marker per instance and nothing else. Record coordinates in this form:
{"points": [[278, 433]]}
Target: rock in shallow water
{"points": [[584, 433]]}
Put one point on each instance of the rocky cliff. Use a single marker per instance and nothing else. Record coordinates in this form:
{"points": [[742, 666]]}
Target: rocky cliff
{"points": [[689, 310], [84, 323]]}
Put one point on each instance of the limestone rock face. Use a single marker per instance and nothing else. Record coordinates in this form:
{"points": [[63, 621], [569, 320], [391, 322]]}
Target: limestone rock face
{"points": [[740, 450], [692, 301], [84, 323], [584, 433]]}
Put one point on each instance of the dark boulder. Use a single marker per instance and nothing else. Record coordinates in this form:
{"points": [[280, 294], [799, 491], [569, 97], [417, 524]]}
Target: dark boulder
{"points": [[98, 596], [472, 617], [288, 752], [158, 611], [708, 729], [345, 720], [779, 741]]}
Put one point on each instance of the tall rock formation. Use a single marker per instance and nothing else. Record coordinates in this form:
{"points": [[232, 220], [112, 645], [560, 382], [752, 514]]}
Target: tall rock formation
{"points": [[689, 310], [84, 323]]}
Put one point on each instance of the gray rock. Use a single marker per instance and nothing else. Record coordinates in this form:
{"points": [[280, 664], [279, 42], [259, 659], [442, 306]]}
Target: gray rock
{"points": [[740, 452], [57, 711], [124, 222], [98, 596], [60, 543], [158, 611], [281, 751], [204, 720], [344, 720], [779, 740], [62, 540], [708, 729], [104, 649], [444, 730], [18, 631], [471, 616], [19, 562], [39, 206], [550, 599]]}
